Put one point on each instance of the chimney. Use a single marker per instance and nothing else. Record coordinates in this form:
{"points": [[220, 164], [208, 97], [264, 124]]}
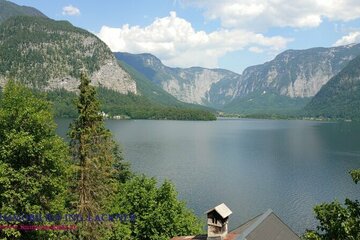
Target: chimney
{"points": [[217, 221]]}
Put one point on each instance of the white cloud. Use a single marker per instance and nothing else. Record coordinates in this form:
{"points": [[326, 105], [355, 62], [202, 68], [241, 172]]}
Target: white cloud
{"points": [[175, 41], [263, 14], [256, 50], [352, 37], [71, 10]]}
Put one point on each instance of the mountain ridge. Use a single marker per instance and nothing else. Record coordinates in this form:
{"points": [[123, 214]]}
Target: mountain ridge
{"points": [[9, 9], [191, 85], [298, 73], [155, 93], [48, 54], [288, 81]]}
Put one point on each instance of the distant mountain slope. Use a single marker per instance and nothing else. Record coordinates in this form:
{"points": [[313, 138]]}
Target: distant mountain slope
{"points": [[48, 55], [150, 90], [297, 73], [340, 97], [155, 93], [266, 103], [286, 84], [9, 9], [210, 87]]}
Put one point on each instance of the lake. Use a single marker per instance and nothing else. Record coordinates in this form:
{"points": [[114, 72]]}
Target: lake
{"points": [[250, 165]]}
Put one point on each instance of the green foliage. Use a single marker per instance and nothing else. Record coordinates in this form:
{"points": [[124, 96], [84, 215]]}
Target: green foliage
{"points": [[33, 160], [266, 104], [355, 174], [63, 102], [35, 173], [129, 105], [159, 215], [100, 169], [139, 107], [337, 221]]}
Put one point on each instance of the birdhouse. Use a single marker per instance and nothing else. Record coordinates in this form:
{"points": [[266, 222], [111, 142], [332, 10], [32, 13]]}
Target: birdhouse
{"points": [[217, 221]]}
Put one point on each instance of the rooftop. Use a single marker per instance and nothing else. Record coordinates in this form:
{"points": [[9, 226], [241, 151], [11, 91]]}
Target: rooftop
{"points": [[267, 226]]}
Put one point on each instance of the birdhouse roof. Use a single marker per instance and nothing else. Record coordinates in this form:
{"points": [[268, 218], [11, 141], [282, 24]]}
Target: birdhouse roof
{"points": [[222, 210]]}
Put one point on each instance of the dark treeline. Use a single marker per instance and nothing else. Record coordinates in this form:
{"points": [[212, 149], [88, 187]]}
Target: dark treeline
{"points": [[130, 105]]}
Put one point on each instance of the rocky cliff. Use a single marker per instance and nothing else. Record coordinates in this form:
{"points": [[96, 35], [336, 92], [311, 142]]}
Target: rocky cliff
{"points": [[210, 87], [297, 73], [294, 76]]}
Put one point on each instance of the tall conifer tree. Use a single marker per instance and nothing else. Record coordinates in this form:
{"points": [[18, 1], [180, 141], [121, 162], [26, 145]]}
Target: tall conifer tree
{"points": [[95, 160]]}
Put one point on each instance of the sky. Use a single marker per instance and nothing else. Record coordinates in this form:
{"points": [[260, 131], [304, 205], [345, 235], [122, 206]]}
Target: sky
{"points": [[229, 34]]}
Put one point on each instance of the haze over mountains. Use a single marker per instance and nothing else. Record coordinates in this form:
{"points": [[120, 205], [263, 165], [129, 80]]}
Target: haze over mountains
{"points": [[48, 55]]}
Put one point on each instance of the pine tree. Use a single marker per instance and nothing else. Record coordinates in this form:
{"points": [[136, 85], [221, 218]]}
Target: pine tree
{"points": [[96, 161]]}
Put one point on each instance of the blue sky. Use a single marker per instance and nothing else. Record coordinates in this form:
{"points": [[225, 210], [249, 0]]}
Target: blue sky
{"points": [[230, 34]]}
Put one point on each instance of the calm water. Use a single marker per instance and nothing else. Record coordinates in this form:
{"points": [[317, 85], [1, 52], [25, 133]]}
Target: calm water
{"points": [[251, 165]]}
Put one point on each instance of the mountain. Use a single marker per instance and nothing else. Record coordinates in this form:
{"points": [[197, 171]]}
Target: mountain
{"points": [[209, 87], [297, 73], [48, 54], [284, 85], [155, 93], [287, 83], [9, 9], [340, 97]]}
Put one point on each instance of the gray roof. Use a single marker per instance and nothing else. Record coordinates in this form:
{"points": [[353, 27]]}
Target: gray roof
{"points": [[267, 226], [221, 209]]}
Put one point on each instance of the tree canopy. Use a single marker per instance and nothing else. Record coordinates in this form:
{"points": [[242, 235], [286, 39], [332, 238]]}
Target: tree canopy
{"points": [[158, 213], [33, 159], [337, 221]]}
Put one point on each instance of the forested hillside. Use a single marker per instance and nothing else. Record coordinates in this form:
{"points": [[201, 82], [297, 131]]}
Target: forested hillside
{"points": [[47, 55], [340, 97]]}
